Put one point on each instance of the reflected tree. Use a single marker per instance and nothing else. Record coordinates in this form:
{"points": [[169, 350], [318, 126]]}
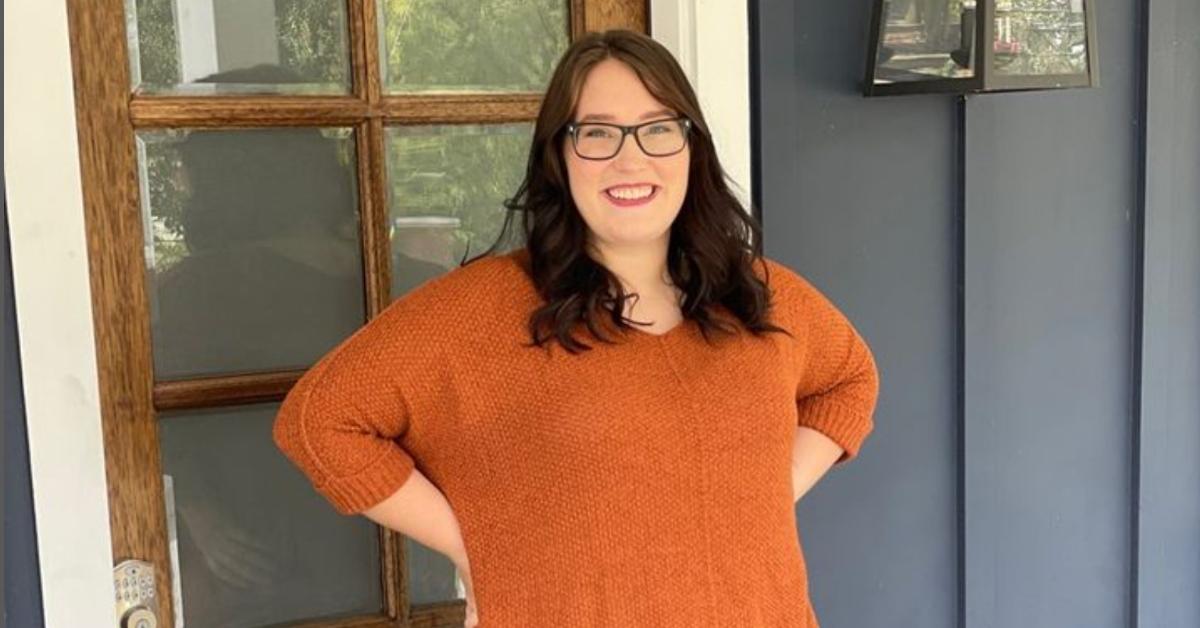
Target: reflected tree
{"points": [[460, 171], [313, 40], [497, 44], [152, 29], [1036, 37]]}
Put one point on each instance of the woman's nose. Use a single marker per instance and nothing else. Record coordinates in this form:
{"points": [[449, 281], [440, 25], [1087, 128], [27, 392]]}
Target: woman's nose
{"points": [[631, 155]]}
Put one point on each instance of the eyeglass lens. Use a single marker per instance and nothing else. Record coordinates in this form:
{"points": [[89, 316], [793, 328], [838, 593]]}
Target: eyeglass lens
{"points": [[600, 141]]}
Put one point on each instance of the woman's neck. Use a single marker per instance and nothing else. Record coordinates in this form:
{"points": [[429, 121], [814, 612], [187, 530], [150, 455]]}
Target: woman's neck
{"points": [[641, 269]]}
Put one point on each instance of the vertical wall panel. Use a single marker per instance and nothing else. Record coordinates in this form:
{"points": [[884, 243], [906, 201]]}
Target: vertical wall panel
{"points": [[1169, 534], [1048, 279], [1050, 257], [858, 196]]}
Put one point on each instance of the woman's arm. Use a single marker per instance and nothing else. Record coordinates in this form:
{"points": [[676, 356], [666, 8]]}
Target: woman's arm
{"points": [[813, 453], [420, 511], [343, 422], [838, 380]]}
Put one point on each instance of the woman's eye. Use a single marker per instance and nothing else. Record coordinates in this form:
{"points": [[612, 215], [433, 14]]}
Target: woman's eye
{"points": [[660, 128]]}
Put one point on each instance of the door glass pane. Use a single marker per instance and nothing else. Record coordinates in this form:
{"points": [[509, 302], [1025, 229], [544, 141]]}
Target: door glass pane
{"points": [[232, 46], [1036, 37], [471, 45], [446, 188], [253, 251], [256, 544], [431, 576]]}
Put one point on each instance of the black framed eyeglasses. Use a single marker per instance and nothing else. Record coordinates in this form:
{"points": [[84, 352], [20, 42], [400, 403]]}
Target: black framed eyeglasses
{"points": [[656, 138]]}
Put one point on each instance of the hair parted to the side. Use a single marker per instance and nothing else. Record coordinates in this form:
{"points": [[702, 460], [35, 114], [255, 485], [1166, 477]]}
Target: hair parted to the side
{"points": [[713, 242]]}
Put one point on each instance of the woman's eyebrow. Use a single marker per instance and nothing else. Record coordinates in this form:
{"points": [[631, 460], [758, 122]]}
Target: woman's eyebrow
{"points": [[645, 116]]}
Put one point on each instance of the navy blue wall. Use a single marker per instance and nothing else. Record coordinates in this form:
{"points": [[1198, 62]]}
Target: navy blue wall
{"points": [[1167, 556], [858, 195], [20, 588], [1026, 267]]}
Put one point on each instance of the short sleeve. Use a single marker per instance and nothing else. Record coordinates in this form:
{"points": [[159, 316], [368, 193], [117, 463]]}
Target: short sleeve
{"points": [[837, 379], [341, 422]]}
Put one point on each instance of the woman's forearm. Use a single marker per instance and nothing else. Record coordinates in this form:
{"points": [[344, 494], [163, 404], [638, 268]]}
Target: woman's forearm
{"points": [[813, 453], [420, 511]]}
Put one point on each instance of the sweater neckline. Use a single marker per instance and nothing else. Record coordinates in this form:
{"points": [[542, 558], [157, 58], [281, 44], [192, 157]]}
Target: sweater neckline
{"points": [[663, 336], [520, 256]]}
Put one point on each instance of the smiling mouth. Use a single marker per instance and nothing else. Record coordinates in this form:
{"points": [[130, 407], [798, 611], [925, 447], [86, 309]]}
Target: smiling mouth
{"points": [[627, 196]]}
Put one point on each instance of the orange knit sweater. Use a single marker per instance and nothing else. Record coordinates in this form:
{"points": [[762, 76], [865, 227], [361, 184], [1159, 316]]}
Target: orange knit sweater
{"points": [[644, 483]]}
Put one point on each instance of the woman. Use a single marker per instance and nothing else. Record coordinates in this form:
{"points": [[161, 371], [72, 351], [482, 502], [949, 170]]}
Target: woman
{"points": [[578, 470]]}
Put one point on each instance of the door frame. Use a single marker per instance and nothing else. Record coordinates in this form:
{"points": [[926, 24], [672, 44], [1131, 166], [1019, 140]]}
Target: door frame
{"points": [[51, 274]]}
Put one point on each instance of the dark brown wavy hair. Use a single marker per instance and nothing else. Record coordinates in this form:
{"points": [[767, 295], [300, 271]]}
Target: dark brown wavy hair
{"points": [[713, 240]]}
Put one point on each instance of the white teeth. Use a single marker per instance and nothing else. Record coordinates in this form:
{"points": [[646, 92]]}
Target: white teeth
{"points": [[630, 194]]}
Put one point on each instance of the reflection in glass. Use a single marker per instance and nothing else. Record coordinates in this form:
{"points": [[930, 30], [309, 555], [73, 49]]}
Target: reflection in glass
{"points": [[1039, 37], [470, 45], [431, 576], [257, 545], [252, 247], [446, 187], [926, 39], [175, 46]]}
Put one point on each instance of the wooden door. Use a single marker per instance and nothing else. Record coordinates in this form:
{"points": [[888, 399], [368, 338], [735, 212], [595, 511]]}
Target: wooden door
{"points": [[260, 179]]}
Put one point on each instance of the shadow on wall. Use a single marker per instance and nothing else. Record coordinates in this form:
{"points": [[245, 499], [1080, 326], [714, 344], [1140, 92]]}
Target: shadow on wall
{"points": [[20, 578]]}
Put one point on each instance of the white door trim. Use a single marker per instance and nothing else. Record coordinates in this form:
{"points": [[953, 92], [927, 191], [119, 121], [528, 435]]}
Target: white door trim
{"points": [[54, 317], [711, 41], [53, 295]]}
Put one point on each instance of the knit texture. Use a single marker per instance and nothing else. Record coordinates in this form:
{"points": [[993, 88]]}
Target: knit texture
{"points": [[644, 483]]}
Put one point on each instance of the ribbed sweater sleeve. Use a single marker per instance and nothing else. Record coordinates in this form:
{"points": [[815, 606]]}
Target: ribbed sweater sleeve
{"points": [[341, 422], [838, 382]]}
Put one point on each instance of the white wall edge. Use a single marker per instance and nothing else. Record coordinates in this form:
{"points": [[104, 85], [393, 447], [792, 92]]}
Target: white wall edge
{"points": [[54, 317], [711, 41]]}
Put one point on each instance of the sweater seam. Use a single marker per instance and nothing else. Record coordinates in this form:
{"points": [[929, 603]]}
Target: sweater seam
{"points": [[854, 371], [705, 488], [404, 409], [319, 377], [304, 407]]}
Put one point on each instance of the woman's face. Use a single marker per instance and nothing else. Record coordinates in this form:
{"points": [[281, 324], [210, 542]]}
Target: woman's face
{"points": [[613, 93]]}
